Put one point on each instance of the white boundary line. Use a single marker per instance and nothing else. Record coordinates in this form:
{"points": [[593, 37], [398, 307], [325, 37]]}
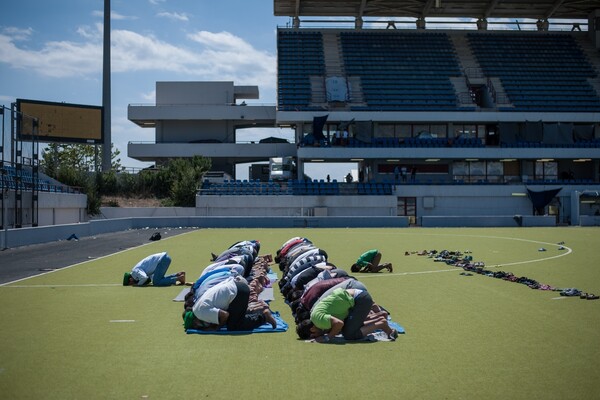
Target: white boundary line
{"points": [[81, 263], [80, 285], [567, 252]]}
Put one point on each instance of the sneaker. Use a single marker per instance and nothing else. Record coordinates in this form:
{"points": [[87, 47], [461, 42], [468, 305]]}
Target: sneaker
{"points": [[570, 292]]}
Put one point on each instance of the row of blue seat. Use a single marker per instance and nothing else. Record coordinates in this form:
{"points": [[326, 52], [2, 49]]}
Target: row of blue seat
{"points": [[26, 183], [313, 187], [369, 58], [587, 145], [528, 65], [401, 57], [300, 55], [371, 188]]}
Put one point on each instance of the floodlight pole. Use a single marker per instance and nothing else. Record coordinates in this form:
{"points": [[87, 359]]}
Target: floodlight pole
{"points": [[106, 104], [4, 193]]}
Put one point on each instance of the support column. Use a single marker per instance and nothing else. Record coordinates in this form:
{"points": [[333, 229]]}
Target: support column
{"points": [[106, 93], [358, 23], [482, 24]]}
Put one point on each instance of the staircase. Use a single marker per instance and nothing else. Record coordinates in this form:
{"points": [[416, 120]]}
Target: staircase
{"points": [[334, 67], [474, 74], [593, 56]]}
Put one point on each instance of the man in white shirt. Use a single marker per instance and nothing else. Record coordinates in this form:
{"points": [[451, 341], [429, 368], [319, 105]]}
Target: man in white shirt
{"points": [[226, 304], [153, 269]]}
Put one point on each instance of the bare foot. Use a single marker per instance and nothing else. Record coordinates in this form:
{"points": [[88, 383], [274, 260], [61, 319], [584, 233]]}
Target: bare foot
{"points": [[269, 318]]}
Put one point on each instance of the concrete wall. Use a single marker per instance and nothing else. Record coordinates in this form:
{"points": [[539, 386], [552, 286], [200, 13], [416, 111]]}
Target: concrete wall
{"points": [[589, 220], [147, 212], [169, 93], [295, 206], [28, 236], [487, 221], [53, 208]]}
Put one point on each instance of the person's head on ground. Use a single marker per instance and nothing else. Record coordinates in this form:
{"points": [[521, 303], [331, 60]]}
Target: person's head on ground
{"points": [[190, 321], [129, 280], [304, 329], [301, 314], [355, 268]]}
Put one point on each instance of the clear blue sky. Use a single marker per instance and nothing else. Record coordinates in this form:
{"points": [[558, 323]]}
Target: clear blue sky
{"points": [[52, 51]]}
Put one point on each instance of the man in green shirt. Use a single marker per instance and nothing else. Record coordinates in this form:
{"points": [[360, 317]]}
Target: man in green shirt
{"points": [[369, 262], [347, 309]]}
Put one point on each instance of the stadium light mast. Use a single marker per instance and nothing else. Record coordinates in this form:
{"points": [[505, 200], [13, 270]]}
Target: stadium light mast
{"points": [[106, 104]]}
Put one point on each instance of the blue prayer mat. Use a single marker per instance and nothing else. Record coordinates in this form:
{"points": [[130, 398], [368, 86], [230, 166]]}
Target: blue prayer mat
{"points": [[282, 326]]}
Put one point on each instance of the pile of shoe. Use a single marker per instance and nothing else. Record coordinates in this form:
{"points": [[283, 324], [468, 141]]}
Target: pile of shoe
{"points": [[571, 292], [457, 259]]}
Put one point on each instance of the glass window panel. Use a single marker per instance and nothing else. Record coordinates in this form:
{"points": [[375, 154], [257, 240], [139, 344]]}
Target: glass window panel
{"points": [[460, 168], [440, 131], [495, 168], [477, 168], [551, 170], [422, 131], [539, 170], [481, 131], [403, 131], [386, 130]]}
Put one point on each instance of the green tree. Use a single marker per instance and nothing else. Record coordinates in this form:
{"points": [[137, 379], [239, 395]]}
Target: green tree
{"points": [[184, 177], [74, 165], [82, 157]]}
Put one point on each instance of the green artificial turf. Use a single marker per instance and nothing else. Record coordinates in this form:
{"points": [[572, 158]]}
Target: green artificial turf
{"points": [[77, 334]]}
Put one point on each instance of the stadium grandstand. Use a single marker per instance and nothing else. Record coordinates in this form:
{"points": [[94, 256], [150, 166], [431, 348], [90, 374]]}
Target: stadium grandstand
{"points": [[454, 112]]}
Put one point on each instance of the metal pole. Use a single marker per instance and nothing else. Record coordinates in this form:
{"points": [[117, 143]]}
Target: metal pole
{"points": [[106, 94], [4, 193]]}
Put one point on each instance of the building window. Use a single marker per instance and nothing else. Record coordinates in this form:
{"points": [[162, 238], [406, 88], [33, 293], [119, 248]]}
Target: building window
{"points": [[545, 170]]}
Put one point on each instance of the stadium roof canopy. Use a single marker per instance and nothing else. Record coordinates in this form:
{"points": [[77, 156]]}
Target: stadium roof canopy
{"points": [[535, 9]]}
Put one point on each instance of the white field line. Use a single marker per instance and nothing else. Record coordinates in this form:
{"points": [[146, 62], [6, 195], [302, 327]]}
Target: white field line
{"points": [[567, 251], [58, 286], [83, 262]]}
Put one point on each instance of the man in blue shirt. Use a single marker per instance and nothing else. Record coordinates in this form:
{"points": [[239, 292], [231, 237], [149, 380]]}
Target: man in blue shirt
{"points": [[153, 269]]}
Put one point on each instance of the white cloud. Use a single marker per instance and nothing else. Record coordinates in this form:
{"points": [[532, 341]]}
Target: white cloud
{"points": [[6, 99], [113, 15], [226, 56], [149, 96], [173, 16], [18, 34], [212, 56], [55, 59], [91, 33]]}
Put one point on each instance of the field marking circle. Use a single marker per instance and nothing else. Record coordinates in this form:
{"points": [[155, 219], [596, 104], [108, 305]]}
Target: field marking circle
{"points": [[567, 252]]}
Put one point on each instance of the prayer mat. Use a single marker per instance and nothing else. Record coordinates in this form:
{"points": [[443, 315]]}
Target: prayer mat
{"points": [[377, 336], [282, 326]]}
